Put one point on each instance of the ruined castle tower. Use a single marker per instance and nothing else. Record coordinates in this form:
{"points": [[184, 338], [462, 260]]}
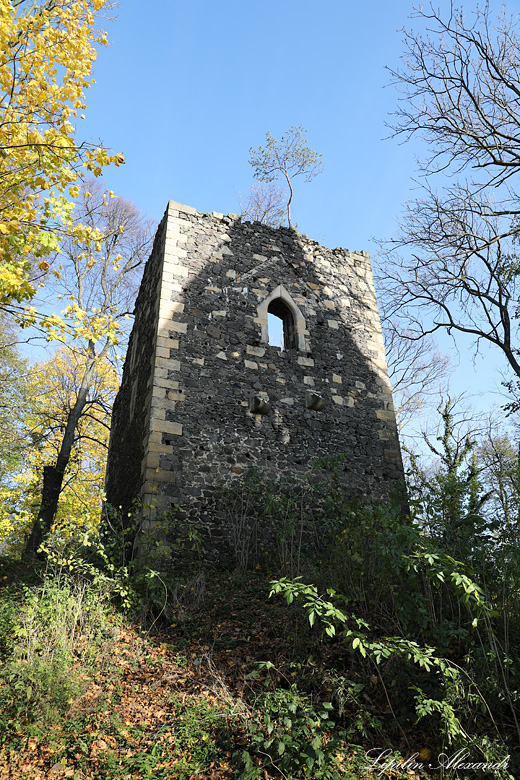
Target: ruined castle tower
{"points": [[206, 394]]}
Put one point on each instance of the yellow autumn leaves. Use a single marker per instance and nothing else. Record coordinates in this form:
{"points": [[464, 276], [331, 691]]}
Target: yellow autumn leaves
{"points": [[62, 237], [47, 50], [51, 391]]}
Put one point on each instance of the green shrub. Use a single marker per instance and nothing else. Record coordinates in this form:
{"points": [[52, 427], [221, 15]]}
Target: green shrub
{"points": [[288, 734]]}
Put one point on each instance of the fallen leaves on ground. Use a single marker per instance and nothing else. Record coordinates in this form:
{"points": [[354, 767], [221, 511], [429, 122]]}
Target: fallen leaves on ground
{"points": [[131, 721]]}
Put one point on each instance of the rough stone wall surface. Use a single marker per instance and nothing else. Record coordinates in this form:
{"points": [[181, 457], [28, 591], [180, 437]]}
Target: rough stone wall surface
{"points": [[199, 353]]}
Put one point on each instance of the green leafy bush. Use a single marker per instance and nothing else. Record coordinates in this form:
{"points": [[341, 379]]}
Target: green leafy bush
{"points": [[288, 734]]}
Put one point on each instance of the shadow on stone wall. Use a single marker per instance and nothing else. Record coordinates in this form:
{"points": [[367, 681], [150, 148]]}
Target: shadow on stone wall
{"points": [[175, 438]]}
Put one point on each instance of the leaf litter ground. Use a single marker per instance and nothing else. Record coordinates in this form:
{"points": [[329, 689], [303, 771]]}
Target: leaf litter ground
{"points": [[177, 704]]}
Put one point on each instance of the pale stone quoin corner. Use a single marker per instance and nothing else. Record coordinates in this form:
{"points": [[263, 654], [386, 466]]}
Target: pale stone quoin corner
{"points": [[206, 395]]}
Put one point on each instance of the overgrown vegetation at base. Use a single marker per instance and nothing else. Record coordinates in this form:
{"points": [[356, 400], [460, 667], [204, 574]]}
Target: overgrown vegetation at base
{"points": [[393, 652]]}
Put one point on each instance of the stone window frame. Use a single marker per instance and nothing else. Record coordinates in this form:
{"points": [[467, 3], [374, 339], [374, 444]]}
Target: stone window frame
{"points": [[298, 318]]}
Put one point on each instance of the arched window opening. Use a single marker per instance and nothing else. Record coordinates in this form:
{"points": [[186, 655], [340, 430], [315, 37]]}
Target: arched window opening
{"points": [[280, 325], [281, 321]]}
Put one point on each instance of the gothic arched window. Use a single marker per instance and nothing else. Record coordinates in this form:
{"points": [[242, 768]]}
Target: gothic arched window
{"points": [[280, 324], [281, 321]]}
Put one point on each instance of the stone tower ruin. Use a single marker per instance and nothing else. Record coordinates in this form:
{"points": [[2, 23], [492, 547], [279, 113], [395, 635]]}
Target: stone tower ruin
{"points": [[207, 395]]}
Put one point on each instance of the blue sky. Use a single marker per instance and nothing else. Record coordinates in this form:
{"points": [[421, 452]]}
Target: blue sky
{"points": [[185, 89]]}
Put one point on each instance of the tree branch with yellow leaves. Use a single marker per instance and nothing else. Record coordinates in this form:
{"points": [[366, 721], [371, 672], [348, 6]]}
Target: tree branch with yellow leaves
{"points": [[47, 52]]}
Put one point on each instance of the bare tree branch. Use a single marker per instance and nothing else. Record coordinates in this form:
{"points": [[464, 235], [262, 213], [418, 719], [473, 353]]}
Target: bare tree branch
{"points": [[263, 203], [452, 264]]}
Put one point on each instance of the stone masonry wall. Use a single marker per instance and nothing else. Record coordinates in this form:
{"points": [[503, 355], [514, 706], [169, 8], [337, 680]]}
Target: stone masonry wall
{"points": [[199, 353]]}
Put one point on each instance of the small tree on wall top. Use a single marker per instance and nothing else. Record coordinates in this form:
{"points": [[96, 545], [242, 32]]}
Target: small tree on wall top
{"points": [[289, 157]]}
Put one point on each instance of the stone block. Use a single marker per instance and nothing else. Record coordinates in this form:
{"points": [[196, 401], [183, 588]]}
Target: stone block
{"points": [[165, 426], [152, 460], [173, 206], [165, 383], [175, 395], [161, 449], [258, 351], [166, 342], [178, 327], [158, 392], [162, 352], [157, 412], [173, 250], [158, 475], [305, 361], [167, 364], [385, 414], [176, 270]]}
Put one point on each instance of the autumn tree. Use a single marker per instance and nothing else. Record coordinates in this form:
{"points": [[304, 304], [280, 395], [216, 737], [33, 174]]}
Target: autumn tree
{"points": [[47, 52], [15, 402], [14, 374], [100, 274], [453, 264], [287, 158], [51, 392]]}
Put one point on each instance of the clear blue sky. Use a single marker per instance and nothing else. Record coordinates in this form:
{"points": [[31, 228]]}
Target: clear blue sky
{"points": [[186, 88]]}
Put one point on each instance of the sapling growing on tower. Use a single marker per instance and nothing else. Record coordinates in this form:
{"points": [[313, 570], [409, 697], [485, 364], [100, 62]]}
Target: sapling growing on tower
{"points": [[289, 157]]}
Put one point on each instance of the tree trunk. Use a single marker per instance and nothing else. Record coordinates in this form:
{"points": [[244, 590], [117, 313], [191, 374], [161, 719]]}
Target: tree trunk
{"points": [[290, 198], [52, 482], [53, 475]]}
